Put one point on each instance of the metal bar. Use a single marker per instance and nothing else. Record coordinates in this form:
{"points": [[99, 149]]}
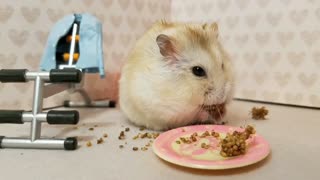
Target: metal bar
{"points": [[33, 75], [37, 108], [27, 143], [97, 104], [73, 42], [28, 117]]}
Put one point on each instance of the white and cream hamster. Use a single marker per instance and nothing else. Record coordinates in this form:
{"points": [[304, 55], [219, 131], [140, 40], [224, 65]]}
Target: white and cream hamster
{"points": [[177, 74]]}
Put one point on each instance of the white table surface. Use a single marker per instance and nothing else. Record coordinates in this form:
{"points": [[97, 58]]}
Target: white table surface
{"points": [[293, 134]]}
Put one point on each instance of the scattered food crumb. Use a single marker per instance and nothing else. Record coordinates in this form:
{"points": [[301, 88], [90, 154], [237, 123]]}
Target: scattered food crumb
{"points": [[178, 142], [259, 113], [91, 129], [89, 144], [125, 143], [121, 146], [122, 135], [155, 135], [127, 129], [95, 125], [100, 141], [136, 136], [144, 135], [144, 148], [135, 148], [105, 135]]}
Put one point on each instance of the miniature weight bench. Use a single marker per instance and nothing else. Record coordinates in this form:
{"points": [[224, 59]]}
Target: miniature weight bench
{"points": [[36, 117]]}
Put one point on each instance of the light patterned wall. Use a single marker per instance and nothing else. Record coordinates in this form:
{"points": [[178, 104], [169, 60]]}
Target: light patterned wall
{"points": [[24, 27], [274, 44]]}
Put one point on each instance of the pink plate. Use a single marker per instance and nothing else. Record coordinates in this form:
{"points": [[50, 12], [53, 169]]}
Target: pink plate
{"points": [[192, 155]]}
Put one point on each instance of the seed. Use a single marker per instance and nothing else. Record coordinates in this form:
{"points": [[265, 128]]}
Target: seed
{"points": [[135, 148], [105, 135], [91, 129], [144, 148], [95, 126], [121, 146], [127, 129]]}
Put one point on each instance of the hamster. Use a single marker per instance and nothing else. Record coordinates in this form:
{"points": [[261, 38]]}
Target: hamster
{"points": [[177, 74]]}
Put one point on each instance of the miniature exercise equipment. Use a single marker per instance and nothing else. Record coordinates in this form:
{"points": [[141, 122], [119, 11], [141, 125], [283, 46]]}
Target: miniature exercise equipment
{"points": [[65, 76], [36, 117]]}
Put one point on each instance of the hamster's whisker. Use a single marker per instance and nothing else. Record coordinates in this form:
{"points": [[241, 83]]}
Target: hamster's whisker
{"points": [[219, 112]]}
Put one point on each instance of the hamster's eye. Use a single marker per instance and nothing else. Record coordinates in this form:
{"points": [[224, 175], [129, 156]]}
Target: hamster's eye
{"points": [[198, 71]]}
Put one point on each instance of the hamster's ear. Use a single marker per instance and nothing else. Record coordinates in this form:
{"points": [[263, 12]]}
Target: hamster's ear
{"points": [[166, 46], [213, 28]]}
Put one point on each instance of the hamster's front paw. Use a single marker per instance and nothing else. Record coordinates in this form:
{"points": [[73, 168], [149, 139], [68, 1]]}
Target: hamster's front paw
{"points": [[220, 122]]}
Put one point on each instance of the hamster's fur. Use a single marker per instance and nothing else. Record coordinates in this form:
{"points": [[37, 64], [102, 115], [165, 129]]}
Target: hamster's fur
{"points": [[173, 76]]}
